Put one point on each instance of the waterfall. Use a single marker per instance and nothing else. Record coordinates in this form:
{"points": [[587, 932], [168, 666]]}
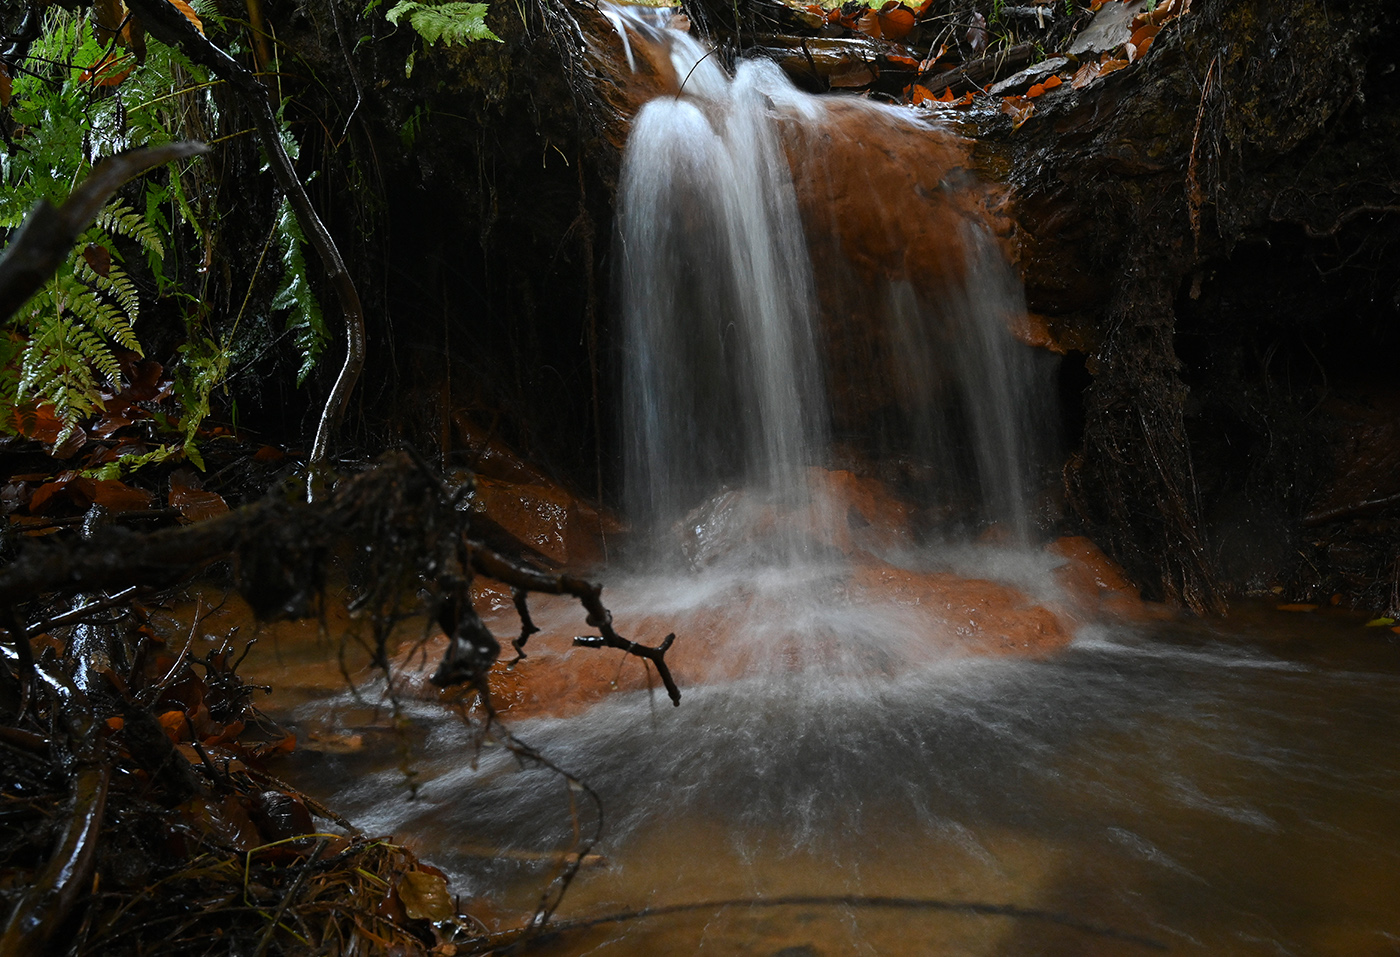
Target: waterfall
{"points": [[723, 383], [730, 339]]}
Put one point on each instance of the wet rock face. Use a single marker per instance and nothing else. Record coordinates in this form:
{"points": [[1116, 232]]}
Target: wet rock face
{"points": [[851, 615], [883, 195], [891, 619], [1095, 587], [545, 517], [881, 205], [522, 512]]}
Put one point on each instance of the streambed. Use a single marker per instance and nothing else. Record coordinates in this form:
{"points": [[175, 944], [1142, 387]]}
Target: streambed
{"points": [[1222, 787]]}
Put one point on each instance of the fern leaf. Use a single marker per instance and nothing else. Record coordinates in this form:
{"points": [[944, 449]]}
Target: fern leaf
{"points": [[97, 353], [107, 319], [304, 318], [451, 23], [116, 284], [120, 219], [56, 369]]}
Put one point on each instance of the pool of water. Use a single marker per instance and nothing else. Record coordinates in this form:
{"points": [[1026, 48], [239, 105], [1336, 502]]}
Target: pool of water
{"points": [[1209, 788]]}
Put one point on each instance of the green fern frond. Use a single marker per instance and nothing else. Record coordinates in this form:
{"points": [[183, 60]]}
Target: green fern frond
{"points": [[116, 284], [110, 321], [304, 318], [68, 316], [130, 462], [99, 355], [57, 368], [449, 22], [120, 219]]}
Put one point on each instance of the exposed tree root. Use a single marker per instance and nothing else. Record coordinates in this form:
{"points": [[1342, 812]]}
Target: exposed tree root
{"points": [[131, 764]]}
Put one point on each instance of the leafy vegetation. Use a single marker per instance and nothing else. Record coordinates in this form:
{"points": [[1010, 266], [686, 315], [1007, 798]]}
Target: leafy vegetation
{"points": [[82, 99], [450, 23], [92, 87], [304, 319]]}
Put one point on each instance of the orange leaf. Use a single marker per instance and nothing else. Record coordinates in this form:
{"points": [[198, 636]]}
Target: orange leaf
{"points": [[1111, 66], [1050, 82], [896, 24], [869, 24], [1019, 108], [928, 64], [196, 505], [117, 496], [106, 73], [225, 734], [285, 745], [189, 13], [48, 490], [918, 94], [946, 96], [1085, 75], [902, 60], [1036, 90], [188, 495], [175, 725]]}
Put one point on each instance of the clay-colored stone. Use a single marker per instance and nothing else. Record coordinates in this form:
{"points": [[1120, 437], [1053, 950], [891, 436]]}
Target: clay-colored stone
{"points": [[743, 634], [984, 617], [545, 517], [1096, 587]]}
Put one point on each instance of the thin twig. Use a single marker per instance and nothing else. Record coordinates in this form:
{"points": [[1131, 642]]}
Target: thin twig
{"points": [[287, 898]]}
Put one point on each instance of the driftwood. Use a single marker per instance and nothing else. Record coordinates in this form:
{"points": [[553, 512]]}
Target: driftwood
{"points": [[278, 551]]}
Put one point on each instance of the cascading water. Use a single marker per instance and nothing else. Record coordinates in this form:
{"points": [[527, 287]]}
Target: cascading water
{"points": [[850, 772], [724, 377]]}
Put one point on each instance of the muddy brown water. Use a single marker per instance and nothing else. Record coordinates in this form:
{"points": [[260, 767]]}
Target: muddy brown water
{"points": [[1225, 787]]}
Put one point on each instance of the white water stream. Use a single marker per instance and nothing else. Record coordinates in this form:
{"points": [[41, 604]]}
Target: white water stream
{"points": [[725, 364]]}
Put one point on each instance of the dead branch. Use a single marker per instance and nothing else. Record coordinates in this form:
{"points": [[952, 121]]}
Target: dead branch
{"points": [[277, 549], [492, 565], [67, 877], [978, 73]]}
